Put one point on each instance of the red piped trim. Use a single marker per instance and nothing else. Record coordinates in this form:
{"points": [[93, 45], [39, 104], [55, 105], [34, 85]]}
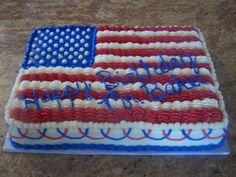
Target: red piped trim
{"points": [[176, 139], [125, 65], [94, 138], [50, 137], [150, 52], [146, 40], [137, 94], [135, 138], [135, 114], [211, 137], [92, 78], [20, 137], [153, 28]]}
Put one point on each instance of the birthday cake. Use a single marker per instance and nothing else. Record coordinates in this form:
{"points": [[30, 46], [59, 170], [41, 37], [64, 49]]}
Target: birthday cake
{"points": [[116, 88]]}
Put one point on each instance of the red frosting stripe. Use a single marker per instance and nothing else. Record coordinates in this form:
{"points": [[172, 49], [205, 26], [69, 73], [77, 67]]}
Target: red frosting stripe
{"points": [[146, 40], [126, 65], [154, 28], [163, 79], [188, 95], [104, 115], [150, 52]]}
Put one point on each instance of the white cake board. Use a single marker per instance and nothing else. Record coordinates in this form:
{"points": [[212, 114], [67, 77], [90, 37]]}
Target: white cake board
{"points": [[7, 147]]}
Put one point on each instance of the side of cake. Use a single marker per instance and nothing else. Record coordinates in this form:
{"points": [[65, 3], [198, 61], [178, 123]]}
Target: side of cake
{"points": [[117, 88]]}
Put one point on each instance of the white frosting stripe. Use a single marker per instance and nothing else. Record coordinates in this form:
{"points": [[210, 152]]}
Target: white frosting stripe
{"points": [[153, 105], [136, 59], [158, 45], [113, 72], [99, 86], [146, 33]]}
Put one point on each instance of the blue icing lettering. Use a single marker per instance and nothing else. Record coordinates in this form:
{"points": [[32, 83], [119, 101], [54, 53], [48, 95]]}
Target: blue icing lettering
{"points": [[169, 88], [174, 63], [47, 95], [87, 91], [57, 95], [70, 91], [195, 68], [126, 100], [150, 92], [107, 77], [140, 77], [110, 83], [163, 66], [57, 98], [34, 101], [129, 77], [192, 62]]}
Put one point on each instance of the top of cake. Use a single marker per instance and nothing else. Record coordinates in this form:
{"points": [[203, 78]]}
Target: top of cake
{"points": [[154, 76]]}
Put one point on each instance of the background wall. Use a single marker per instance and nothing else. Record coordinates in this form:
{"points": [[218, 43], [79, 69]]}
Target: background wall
{"points": [[216, 19]]}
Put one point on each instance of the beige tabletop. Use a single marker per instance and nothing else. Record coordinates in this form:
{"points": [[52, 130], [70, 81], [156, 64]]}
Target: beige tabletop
{"points": [[216, 19]]}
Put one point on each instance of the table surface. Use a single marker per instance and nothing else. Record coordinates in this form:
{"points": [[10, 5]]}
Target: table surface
{"points": [[216, 19]]}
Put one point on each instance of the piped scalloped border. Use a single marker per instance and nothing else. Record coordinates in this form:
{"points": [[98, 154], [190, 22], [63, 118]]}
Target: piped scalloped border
{"points": [[164, 126], [118, 147]]}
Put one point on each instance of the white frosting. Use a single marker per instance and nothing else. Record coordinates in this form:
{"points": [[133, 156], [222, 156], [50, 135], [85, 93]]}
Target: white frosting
{"points": [[113, 72], [146, 33], [99, 86], [84, 61], [122, 124], [158, 45], [153, 105], [135, 59], [86, 45]]}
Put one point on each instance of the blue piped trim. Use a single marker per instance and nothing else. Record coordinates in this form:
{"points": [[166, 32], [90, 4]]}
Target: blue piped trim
{"points": [[93, 48], [32, 138], [121, 138], [168, 134], [69, 137], [196, 139], [117, 147]]}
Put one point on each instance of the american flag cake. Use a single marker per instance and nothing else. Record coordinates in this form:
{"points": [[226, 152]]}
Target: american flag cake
{"points": [[116, 88]]}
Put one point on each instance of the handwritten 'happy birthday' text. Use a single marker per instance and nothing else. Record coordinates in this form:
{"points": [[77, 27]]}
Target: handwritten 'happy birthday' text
{"points": [[111, 82]]}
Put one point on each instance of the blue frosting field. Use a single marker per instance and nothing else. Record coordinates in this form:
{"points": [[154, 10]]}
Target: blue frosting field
{"points": [[67, 46], [117, 147]]}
